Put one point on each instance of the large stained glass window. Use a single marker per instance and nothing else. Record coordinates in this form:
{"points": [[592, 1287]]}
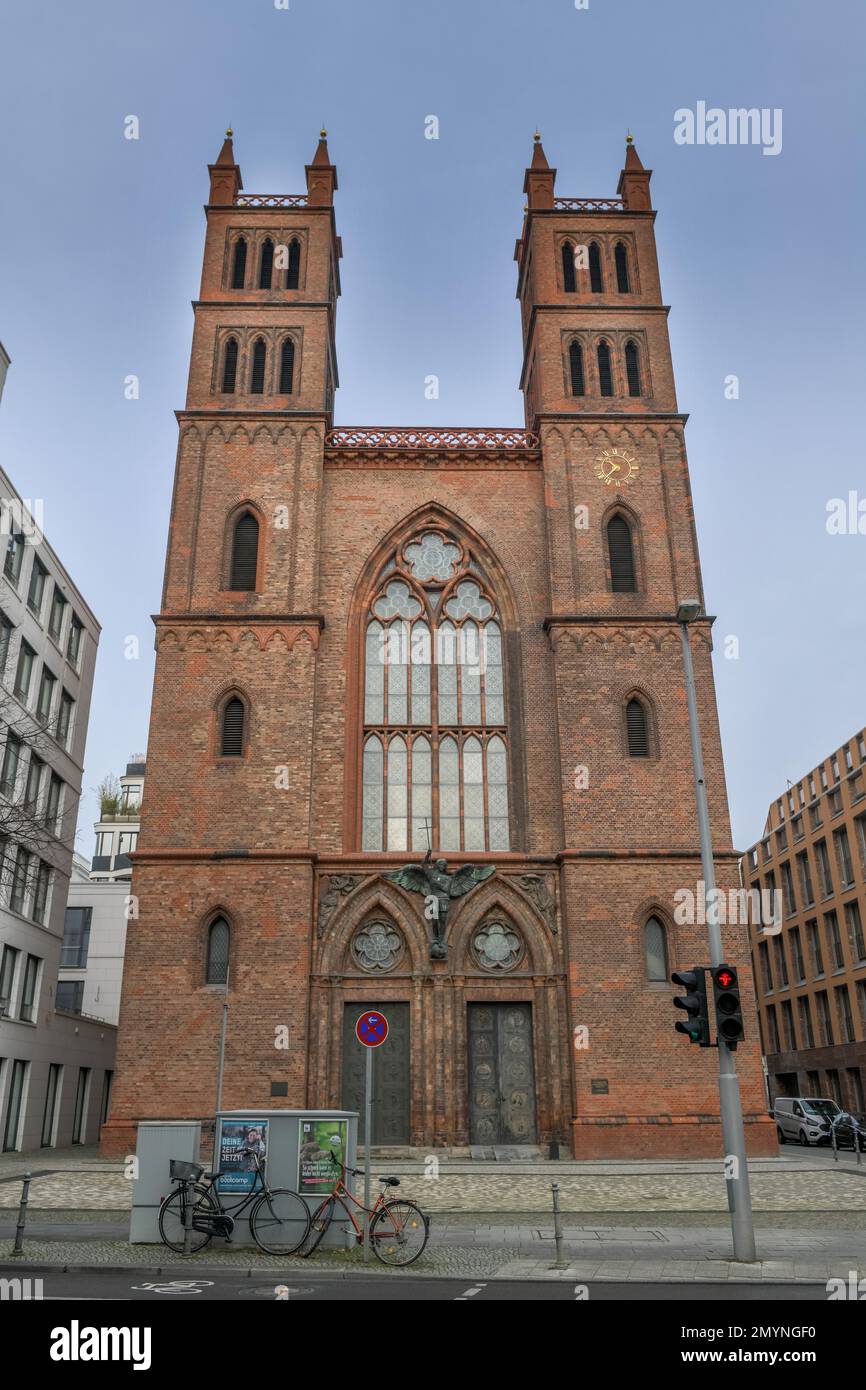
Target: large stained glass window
{"points": [[434, 752]]}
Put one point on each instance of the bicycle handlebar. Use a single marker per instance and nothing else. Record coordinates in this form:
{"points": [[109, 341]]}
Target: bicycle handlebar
{"points": [[356, 1172]]}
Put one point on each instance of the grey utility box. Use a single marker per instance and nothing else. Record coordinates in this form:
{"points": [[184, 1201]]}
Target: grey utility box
{"points": [[158, 1142], [295, 1146]]}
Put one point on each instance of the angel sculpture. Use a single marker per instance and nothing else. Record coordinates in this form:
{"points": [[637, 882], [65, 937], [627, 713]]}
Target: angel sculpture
{"points": [[439, 887]]}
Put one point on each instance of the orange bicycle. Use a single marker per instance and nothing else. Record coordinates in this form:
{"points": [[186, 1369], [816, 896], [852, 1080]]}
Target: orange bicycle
{"points": [[398, 1229]]}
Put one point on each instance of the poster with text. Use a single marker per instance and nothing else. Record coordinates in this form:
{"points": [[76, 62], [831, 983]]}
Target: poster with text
{"points": [[319, 1140], [241, 1144]]}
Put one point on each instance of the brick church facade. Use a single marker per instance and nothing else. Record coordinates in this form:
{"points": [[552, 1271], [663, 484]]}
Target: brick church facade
{"points": [[372, 635]]}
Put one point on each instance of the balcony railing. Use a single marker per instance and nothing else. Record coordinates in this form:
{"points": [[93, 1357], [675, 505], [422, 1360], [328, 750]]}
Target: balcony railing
{"points": [[478, 440], [271, 200], [588, 205]]}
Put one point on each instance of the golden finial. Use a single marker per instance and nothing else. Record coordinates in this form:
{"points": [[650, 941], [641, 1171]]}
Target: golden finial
{"points": [[323, 134], [229, 132], [629, 139], [537, 137]]}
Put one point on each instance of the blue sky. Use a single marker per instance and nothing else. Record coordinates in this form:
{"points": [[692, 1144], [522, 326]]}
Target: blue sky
{"points": [[761, 260]]}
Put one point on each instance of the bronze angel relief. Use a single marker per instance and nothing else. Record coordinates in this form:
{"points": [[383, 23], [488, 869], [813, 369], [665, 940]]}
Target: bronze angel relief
{"points": [[439, 887]]}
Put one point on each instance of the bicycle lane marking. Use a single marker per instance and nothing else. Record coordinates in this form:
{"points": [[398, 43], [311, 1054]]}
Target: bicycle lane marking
{"points": [[470, 1293]]}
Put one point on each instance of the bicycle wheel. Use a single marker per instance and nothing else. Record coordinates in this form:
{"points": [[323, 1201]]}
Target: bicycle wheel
{"points": [[279, 1222], [399, 1233], [319, 1224], [171, 1220]]}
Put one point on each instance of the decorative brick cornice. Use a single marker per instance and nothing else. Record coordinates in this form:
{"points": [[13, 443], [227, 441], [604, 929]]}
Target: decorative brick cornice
{"points": [[421, 447], [208, 631]]}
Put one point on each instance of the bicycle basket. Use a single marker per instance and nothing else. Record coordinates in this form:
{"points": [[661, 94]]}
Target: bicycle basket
{"points": [[179, 1168]]}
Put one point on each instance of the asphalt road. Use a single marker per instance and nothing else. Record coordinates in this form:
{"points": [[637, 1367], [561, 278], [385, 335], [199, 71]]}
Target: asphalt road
{"points": [[144, 1286]]}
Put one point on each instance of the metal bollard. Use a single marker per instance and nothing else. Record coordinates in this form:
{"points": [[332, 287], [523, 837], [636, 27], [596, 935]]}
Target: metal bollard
{"points": [[189, 1186], [18, 1248], [835, 1145], [561, 1262]]}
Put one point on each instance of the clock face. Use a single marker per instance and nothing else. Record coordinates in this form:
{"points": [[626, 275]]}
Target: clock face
{"points": [[616, 466]]}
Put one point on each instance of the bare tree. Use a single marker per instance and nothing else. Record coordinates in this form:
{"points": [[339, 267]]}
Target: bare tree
{"points": [[30, 817]]}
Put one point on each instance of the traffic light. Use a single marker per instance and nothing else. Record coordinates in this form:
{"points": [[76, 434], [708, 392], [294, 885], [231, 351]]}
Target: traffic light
{"points": [[694, 1001], [729, 1010]]}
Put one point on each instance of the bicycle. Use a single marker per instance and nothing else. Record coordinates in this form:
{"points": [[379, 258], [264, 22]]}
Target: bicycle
{"points": [[279, 1219], [399, 1230]]}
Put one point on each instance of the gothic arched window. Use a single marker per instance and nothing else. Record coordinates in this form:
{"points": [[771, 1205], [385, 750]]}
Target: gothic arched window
{"points": [[655, 950], [605, 376], [435, 742], [239, 265], [266, 265], [620, 552], [569, 278], [287, 367], [293, 273], [232, 728], [637, 728], [218, 939], [257, 377], [245, 553], [632, 367], [575, 362], [596, 284], [621, 260], [230, 367]]}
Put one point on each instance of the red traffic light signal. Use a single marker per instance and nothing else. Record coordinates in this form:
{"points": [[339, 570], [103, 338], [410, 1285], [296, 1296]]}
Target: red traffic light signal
{"points": [[729, 1010]]}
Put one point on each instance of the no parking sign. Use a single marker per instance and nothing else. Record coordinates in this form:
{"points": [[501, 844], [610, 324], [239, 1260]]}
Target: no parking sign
{"points": [[371, 1028]]}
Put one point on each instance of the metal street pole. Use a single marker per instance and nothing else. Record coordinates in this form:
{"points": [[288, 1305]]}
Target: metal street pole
{"points": [[222, 1052], [368, 1144], [733, 1134]]}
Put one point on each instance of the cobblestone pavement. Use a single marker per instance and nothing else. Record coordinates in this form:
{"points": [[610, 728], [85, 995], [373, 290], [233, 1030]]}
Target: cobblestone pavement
{"points": [[80, 1180]]}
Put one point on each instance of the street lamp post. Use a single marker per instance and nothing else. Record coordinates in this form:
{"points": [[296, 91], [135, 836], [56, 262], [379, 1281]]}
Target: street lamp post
{"points": [[733, 1135]]}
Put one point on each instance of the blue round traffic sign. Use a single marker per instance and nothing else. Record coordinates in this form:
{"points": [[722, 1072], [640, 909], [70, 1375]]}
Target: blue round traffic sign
{"points": [[371, 1028]]}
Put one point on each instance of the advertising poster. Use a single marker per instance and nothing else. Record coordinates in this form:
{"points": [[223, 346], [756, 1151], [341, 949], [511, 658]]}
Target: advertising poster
{"points": [[240, 1141], [320, 1139]]}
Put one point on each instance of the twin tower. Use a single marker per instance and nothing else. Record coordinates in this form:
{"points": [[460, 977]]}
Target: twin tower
{"points": [[296, 757]]}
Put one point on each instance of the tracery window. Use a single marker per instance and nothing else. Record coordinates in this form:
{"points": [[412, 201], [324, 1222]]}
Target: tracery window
{"points": [[435, 740]]}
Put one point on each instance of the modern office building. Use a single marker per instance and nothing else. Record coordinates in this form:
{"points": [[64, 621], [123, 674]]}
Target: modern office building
{"points": [[99, 906], [55, 1064], [810, 965]]}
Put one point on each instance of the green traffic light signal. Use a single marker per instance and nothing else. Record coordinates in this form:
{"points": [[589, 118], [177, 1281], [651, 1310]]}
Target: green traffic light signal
{"points": [[694, 1002]]}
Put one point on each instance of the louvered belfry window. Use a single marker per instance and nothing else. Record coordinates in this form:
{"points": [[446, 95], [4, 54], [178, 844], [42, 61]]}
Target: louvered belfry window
{"points": [[435, 755], [266, 268], [569, 279], [621, 260], [621, 552], [637, 729], [287, 367], [239, 268], [575, 360], [218, 952], [596, 283], [605, 376], [293, 273], [232, 740], [230, 366], [632, 368], [245, 553], [257, 378]]}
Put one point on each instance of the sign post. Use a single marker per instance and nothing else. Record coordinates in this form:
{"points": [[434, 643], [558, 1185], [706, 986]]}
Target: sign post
{"points": [[371, 1030]]}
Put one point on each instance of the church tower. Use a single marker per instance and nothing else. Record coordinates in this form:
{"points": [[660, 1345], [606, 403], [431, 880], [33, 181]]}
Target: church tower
{"points": [[370, 636]]}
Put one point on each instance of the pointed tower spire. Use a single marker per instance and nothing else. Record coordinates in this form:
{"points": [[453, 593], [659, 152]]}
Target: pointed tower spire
{"points": [[540, 178], [321, 175], [225, 175], [633, 186]]}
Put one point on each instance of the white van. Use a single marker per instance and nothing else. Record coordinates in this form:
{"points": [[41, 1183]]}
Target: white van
{"points": [[804, 1121]]}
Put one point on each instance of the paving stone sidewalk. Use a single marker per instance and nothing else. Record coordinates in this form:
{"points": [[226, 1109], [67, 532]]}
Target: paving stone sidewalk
{"points": [[81, 1180]]}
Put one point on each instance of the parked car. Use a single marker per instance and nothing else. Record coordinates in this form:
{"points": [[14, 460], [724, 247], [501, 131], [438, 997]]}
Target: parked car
{"points": [[811, 1119]]}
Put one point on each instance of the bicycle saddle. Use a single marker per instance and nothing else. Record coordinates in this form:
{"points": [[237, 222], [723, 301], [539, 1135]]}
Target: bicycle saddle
{"points": [[392, 1182]]}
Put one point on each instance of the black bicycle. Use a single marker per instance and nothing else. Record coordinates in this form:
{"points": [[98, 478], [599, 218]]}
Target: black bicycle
{"points": [[279, 1219]]}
